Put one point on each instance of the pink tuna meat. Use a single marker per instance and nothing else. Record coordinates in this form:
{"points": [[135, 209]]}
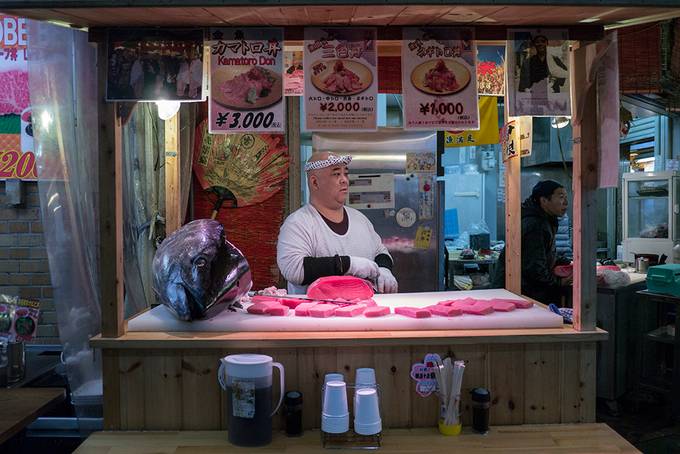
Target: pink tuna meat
{"points": [[377, 311], [502, 306], [413, 312], [278, 311], [259, 309], [444, 311], [519, 304], [479, 308], [350, 311], [339, 287], [303, 309], [322, 310], [292, 303]]}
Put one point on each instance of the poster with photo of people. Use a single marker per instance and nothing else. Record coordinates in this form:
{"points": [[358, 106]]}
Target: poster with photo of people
{"points": [[155, 64], [538, 72]]}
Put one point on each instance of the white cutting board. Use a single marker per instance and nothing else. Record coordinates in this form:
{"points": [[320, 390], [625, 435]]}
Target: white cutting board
{"points": [[161, 319]]}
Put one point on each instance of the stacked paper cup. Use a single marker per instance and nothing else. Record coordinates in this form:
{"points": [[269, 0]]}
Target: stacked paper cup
{"points": [[366, 406], [335, 414]]}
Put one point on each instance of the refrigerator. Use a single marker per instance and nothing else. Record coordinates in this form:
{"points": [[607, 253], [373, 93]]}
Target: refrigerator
{"points": [[393, 182]]}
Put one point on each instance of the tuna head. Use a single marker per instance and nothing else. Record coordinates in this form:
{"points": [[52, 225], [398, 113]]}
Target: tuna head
{"points": [[198, 273]]}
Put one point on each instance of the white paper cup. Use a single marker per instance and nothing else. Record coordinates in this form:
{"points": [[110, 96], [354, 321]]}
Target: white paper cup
{"points": [[367, 412], [335, 400], [365, 376], [333, 377], [335, 425]]}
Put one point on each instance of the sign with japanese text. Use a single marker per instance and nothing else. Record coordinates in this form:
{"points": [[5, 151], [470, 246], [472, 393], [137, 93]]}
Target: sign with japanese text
{"points": [[538, 72], [516, 137], [341, 79], [439, 79], [488, 128], [246, 82], [509, 140], [16, 131]]}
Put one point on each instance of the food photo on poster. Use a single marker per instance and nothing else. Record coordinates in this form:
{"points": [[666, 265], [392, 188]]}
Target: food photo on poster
{"points": [[246, 81], [439, 78]]}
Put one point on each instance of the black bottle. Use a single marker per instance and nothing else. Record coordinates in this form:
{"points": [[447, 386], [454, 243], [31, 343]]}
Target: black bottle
{"points": [[481, 401], [292, 413]]}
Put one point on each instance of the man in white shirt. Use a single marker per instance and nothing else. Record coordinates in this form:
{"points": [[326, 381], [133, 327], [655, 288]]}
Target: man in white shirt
{"points": [[326, 238]]}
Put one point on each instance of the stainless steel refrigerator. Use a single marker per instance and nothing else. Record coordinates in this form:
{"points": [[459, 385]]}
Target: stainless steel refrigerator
{"points": [[393, 181]]}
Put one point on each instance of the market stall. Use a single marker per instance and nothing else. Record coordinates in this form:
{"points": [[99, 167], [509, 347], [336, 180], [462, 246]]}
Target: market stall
{"points": [[161, 376]]}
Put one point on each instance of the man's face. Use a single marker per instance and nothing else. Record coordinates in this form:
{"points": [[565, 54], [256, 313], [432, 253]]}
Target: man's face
{"points": [[557, 204], [331, 185], [540, 44]]}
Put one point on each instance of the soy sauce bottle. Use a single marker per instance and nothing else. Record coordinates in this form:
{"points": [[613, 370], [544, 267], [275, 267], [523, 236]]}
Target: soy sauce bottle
{"points": [[481, 402], [292, 413]]}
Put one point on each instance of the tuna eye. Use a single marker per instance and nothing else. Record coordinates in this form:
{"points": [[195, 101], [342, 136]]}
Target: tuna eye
{"points": [[200, 261]]}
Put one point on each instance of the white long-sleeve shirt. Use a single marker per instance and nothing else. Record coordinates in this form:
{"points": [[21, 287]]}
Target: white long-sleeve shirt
{"points": [[305, 234]]}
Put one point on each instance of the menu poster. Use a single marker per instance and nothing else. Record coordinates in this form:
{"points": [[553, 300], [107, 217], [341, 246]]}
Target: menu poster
{"points": [[148, 64], [491, 70], [538, 72], [293, 79], [246, 83], [341, 79], [439, 78]]}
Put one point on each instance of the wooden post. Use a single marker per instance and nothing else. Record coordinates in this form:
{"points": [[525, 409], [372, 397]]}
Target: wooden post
{"points": [[293, 142], [513, 219], [584, 96], [110, 209], [173, 168]]}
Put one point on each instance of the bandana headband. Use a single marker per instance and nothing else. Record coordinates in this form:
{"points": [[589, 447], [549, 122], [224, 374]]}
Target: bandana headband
{"points": [[331, 161]]}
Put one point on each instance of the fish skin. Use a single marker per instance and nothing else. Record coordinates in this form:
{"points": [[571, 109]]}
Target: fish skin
{"points": [[198, 273]]}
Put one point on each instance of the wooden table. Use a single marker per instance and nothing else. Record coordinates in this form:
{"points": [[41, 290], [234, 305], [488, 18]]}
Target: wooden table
{"points": [[525, 439], [20, 406]]}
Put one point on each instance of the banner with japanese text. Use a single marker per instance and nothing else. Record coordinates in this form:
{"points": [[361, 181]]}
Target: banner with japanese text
{"points": [[16, 131], [439, 78], [341, 79], [488, 127], [246, 82]]}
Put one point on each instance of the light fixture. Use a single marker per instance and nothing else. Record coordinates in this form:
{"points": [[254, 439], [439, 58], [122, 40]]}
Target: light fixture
{"points": [[167, 109], [559, 122]]}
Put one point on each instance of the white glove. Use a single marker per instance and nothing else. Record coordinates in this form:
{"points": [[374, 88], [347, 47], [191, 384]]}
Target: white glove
{"points": [[363, 267], [386, 281]]}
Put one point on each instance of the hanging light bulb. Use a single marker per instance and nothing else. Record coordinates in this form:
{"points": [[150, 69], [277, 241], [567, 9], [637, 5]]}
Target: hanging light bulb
{"points": [[167, 109], [559, 122]]}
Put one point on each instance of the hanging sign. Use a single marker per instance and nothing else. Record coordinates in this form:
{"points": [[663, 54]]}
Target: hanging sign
{"points": [[491, 70], [509, 140], [516, 137], [293, 79], [538, 72], [488, 129], [439, 79], [246, 84], [16, 131], [525, 132], [341, 79]]}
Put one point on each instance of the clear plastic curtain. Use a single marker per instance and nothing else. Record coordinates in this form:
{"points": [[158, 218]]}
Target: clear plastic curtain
{"points": [[62, 84]]}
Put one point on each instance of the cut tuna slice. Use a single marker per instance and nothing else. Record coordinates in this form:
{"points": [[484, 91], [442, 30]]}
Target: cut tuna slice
{"points": [[460, 302], [336, 287], [303, 309], [377, 311], [502, 306], [322, 310], [446, 302], [278, 311], [292, 303], [444, 311], [413, 312], [479, 308], [519, 304], [264, 299], [350, 311], [259, 309], [368, 303]]}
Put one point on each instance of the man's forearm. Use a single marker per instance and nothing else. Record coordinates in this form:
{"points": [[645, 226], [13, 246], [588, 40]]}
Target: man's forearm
{"points": [[384, 261], [316, 267]]}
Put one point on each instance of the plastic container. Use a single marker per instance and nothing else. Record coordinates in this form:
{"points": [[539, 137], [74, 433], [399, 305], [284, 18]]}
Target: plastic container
{"points": [[292, 413], [481, 402]]}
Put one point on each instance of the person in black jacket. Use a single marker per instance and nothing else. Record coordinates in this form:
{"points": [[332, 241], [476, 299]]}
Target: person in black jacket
{"points": [[548, 201]]}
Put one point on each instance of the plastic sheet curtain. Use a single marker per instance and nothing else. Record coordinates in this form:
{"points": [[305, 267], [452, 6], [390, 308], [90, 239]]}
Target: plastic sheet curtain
{"points": [[62, 84]]}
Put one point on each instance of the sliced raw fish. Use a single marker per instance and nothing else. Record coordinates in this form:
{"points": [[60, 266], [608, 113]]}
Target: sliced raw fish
{"points": [[337, 287], [322, 310], [503, 306], [269, 300], [350, 311], [368, 303], [292, 303], [280, 310], [413, 312], [302, 310], [479, 308], [376, 311], [259, 309], [444, 311], [519, 304]]}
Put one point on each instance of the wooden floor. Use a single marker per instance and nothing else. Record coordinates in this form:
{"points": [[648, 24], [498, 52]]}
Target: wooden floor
{"points": [[525, 439]]}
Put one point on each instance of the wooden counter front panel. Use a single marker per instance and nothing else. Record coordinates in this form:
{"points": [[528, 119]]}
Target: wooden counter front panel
{"points": [[529, 383]]}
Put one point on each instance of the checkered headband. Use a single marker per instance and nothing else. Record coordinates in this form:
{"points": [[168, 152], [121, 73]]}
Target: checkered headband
{"points": [[332, 160]]}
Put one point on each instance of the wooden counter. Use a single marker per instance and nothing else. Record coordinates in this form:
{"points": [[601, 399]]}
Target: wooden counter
{"points": [[20, 406], [526, 439], [168, 381]]}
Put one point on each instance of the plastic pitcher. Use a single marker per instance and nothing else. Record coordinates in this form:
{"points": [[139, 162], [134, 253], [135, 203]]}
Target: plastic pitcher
{"points": [[247, 379]]}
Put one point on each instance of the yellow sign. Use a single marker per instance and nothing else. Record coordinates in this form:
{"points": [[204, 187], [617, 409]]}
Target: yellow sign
{"points": [[488, 127], [423, 237]]}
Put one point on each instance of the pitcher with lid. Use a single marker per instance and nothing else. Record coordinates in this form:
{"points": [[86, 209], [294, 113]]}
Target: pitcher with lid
{"points": [[247, 379]]}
